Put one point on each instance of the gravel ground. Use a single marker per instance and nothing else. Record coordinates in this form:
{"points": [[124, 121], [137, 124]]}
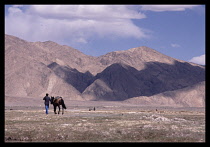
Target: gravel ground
{"points": [[110, 122]]}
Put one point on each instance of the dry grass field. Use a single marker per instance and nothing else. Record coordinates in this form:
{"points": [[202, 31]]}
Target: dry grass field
{"points": [[109, 123]]}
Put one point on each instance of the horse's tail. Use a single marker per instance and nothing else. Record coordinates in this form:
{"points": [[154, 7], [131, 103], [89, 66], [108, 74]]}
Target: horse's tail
{"points": [[62, 103]]}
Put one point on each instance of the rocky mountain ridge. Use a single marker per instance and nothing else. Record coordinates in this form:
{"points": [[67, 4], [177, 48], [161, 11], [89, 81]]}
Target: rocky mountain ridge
{"points": [[35, 68]]}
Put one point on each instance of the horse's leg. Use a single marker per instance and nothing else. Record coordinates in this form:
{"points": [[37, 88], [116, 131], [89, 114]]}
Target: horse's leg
{"points": [[55, 109], [59, 109], [62, 110]]}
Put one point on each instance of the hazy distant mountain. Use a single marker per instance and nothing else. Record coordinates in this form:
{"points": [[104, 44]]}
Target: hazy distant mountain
{"points": [[34, 68], [191, 96]]}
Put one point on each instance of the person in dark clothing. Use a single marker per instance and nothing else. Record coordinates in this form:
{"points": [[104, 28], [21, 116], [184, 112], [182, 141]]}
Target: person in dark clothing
{"points": [[46, 102]]}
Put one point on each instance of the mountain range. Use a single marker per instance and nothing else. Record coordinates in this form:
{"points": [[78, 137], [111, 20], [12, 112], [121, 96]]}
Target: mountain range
{"points": [[140, 75]]}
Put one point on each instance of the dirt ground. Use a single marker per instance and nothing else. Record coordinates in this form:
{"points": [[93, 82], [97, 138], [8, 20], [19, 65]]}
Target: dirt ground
{"points": [[110, 122]]}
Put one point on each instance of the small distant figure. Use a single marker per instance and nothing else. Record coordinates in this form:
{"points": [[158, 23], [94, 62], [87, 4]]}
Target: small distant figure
{"points": [[92, 109], [47, 101]]}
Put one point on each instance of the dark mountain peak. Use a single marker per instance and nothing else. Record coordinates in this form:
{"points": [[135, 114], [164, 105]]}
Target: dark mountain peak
{"points": [[120, 78], [88, 73], [53, 65], [119, 68]]}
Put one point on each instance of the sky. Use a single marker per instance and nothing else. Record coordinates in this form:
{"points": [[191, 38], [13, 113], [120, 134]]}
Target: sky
{"points": [[174, 30]]}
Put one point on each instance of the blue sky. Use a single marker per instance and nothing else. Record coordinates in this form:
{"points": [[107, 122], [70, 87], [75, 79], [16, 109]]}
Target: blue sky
{"points": [[174, 30]]}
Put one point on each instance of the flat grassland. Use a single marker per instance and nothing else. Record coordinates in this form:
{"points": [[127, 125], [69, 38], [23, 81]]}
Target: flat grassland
{"points": [[110, 122]]}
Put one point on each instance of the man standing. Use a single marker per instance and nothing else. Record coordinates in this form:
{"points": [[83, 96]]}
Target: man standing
{"points": [[46, 102]]}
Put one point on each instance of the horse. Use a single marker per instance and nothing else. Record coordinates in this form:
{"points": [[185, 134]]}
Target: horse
{"points": [[57, 101]]}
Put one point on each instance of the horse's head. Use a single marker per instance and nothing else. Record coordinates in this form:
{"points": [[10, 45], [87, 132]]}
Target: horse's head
{"points": [[52, 99]]}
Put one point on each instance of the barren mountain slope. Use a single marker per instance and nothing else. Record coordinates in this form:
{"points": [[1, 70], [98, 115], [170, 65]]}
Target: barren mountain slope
{"points": [[35, 79], [26, 71], [120, 78], [45, 52], [120, 81], [72, 76], [34, 68], [135, 57], [191, 96], [66, 55]]}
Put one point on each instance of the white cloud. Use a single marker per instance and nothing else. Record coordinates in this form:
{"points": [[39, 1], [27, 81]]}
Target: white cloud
{"points": [[175, 45], [72, 22], [161, 8], [199, 59], [86, 11]]}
